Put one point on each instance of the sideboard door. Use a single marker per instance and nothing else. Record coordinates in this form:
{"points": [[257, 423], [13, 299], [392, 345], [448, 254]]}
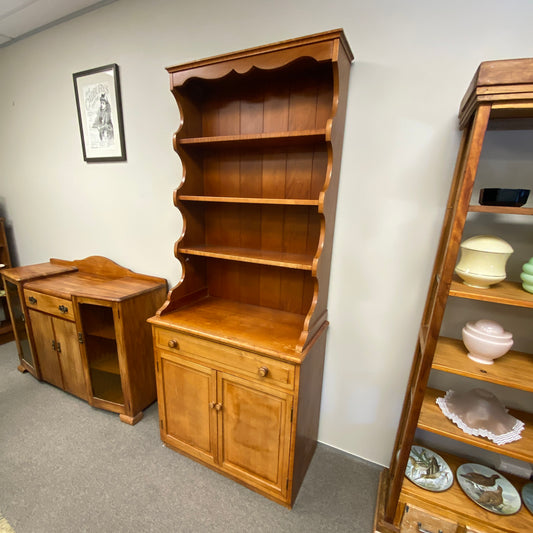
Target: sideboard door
{"points": [[68, 348], [43, 335]]}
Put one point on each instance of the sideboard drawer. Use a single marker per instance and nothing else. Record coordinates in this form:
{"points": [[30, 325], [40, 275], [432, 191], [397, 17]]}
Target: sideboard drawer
{"points": [[242, 362], [49, 304]]}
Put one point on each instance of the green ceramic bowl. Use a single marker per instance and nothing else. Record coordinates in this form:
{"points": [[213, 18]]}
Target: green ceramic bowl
{"points": [[528, 267]]}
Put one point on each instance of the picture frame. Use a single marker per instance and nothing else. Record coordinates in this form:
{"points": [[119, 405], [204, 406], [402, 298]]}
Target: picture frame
{"points": [[99, 107]]}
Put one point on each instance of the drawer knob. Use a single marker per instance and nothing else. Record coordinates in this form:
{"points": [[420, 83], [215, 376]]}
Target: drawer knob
{"points": [[263, 371], [63, 309], [172, 343], [215, 406], [32, 300]]}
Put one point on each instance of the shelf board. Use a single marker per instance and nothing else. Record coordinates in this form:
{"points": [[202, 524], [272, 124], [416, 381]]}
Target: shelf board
{"points": [[455, 504], [283, 138], [498, 209], [251, 327], [105, 331], [238, 200], [514, 369], [261, 257], [505, 292], [433, 420]]}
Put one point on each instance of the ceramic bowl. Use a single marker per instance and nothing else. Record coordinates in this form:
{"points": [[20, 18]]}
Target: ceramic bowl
{"points": [[506, 197], [482, 261], [486, 340], [527, 276]]}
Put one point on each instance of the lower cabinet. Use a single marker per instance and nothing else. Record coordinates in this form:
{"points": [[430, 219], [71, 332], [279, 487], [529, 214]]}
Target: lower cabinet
{"points": [[58, 350], [231, 423], [248, 416]]}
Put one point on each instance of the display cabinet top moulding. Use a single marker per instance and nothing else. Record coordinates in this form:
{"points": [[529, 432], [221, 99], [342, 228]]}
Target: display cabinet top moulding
{"points": [[321, 47], [260, 142]]}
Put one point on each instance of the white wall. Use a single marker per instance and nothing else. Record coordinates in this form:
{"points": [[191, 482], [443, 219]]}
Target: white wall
{"points": [[414, 60]]}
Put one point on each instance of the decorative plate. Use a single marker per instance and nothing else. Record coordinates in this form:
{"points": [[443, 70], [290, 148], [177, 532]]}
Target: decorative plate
{"points": [[527, 496], [489, 489], [428, 470]]}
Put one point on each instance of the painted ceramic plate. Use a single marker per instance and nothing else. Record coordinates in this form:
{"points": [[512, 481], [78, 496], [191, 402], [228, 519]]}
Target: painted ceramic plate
{"points": [[428, 470], [527, 496], [489, 489]]}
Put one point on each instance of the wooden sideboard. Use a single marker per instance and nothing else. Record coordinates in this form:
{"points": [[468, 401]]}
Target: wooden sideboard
{"points": [[240, 341], [81, 326]]}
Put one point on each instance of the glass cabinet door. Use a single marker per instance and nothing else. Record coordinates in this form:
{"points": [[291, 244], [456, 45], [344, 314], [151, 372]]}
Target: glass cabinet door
{"points": [[102, 352], [19, 326]]}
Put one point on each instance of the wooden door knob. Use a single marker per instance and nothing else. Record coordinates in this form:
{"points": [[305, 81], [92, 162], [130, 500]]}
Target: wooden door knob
{"points": [[263, 371], [172, 343]]}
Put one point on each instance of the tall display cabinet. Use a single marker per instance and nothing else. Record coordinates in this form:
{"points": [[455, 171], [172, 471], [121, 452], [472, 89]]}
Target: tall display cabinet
{"points": [[499, 97], [240, 341]]}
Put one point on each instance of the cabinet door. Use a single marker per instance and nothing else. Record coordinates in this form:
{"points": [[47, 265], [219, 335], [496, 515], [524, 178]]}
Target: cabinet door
{"points": [[68, 350], [43, 335], [254, 436], [187, 394], [19, 324]]}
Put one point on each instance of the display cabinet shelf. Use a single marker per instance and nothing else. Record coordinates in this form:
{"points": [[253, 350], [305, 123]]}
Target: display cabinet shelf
{"points": [[454, 504], [501, 210], [514, 369], [505, 292], [431, 419]]}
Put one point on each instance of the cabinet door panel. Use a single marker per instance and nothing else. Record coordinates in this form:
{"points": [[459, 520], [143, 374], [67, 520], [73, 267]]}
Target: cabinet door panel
{"points": [[70, 357], [255, 435], [43, 335], [189, 421]]}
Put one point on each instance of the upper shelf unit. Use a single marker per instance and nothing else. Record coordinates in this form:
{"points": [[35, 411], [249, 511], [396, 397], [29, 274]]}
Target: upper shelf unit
{"points": [[260, 142]]}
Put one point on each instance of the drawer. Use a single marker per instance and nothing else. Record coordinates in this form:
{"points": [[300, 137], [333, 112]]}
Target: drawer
{"points": [[416, 520], [49, 304], [226, 358]]}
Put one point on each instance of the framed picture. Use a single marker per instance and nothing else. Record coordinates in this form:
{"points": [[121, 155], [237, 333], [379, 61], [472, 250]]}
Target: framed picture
{"points": [[100, 114]]}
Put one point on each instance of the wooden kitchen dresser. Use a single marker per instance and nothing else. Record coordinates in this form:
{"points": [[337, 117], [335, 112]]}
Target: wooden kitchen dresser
{"points": [[81, 326], [240, 341]]}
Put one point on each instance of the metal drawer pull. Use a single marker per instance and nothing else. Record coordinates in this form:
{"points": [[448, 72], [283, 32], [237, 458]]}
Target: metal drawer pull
{"points": [[63, 309], [422, 530], [32, 300], [263, 371]]}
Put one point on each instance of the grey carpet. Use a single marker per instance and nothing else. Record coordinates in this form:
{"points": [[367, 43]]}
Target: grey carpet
{"points": [[67, 467]]}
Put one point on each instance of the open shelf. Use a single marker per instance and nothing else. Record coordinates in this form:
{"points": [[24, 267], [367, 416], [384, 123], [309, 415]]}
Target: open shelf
{"points": [[103, 355], [260, 257], [286, 138], [107, 386], [505, 292], [454, 503], [238, 200], [432, 419], [500, 210], [514, 369]]}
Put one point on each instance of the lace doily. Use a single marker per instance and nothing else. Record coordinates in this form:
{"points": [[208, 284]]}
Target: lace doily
{"points": [[478, 412]]}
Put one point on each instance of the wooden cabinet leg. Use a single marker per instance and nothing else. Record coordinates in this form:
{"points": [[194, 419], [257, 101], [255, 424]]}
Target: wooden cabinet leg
{"points": [[131, 420]]}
